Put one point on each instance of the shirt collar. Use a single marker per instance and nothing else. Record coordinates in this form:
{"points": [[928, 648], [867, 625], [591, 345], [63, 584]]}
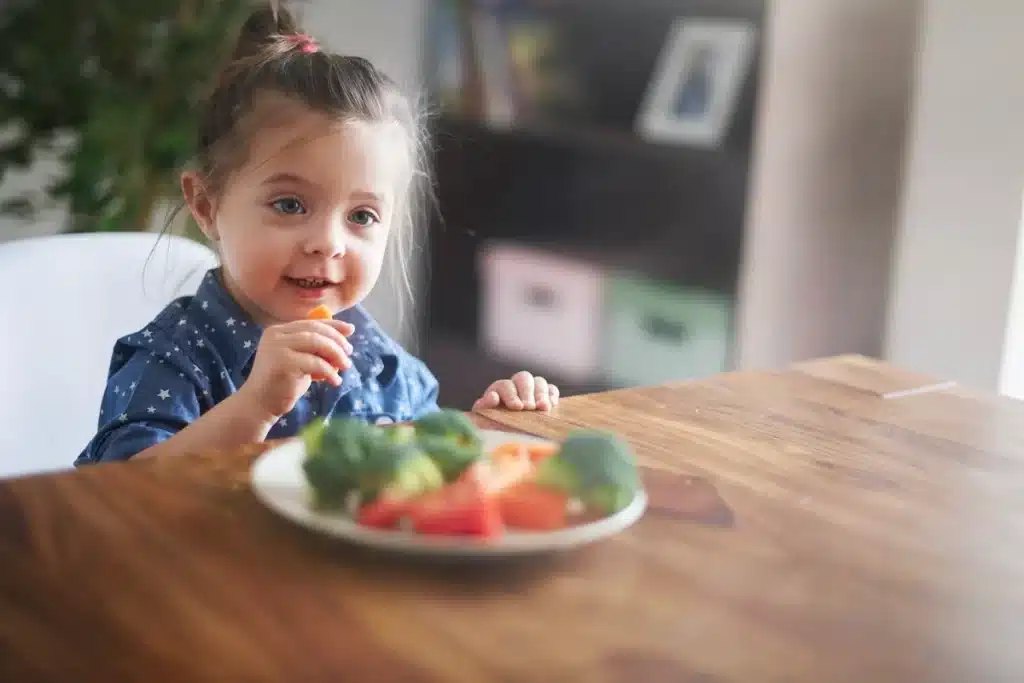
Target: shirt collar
{"points": [[236, 336]]}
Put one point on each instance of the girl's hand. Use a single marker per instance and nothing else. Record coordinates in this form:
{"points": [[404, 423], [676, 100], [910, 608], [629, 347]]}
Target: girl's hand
{"points": [[522, 392], [288, 359]]}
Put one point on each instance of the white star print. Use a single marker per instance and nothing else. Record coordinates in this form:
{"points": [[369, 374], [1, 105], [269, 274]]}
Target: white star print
{"points": [[247, 344], [164, 394], [206, 304], [132, 386], [283, 422], [147, 334], [182, 321], [229, 322], [117, 388], [123, 417], [200, 343], [151, 410], [177, 349]]}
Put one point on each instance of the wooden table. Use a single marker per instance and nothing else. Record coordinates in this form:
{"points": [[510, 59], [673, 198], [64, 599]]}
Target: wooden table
{"points": [[826, 523]]}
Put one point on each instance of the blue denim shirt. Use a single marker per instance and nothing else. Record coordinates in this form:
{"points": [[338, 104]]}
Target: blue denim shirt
{"points": [[199, 350]]}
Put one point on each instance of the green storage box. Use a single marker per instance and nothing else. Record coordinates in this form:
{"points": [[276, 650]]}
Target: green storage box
{"points": [[655, 332]]}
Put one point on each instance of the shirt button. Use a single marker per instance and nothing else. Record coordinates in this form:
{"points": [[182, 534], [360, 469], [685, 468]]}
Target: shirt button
{"points": [[384, 420]]}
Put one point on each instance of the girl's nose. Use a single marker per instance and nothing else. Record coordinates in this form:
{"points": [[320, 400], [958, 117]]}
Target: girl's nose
{"points": [[326, 239]]}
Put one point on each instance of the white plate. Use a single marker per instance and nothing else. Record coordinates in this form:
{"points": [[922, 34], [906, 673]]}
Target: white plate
{"points": [[278, 481]]}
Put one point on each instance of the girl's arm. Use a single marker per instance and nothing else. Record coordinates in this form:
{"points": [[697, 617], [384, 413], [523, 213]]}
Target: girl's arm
{"points": [[152, 405], [233, 422]]}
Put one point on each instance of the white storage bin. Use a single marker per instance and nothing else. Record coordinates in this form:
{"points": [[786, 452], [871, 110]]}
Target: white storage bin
{"points": [[541, 310]]}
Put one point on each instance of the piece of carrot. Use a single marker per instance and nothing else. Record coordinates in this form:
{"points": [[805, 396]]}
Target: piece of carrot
{"points": [[539, 451], [534, 452], [321, 312], [530, 507]]}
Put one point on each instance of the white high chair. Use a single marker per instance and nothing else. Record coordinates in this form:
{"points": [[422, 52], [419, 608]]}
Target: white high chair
{"points": [[64, 301]]}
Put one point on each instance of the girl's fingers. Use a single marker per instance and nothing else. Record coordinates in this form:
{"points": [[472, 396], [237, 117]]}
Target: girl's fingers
{"points": [[315, 367], [346, 329], [540, 393], [311, 342], [553, 394], [524, 383], [326, 328], [507, 392], [490, 399]]}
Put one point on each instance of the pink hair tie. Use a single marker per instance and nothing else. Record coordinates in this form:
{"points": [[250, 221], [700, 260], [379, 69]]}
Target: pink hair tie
{"points": [[304, 42]]}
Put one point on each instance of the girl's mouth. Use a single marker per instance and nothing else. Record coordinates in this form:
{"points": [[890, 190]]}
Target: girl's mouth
{"points": [[309, 283], [310, 288]]}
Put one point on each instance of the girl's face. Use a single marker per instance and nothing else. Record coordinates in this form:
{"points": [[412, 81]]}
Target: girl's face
{"points": [[306, 220]]}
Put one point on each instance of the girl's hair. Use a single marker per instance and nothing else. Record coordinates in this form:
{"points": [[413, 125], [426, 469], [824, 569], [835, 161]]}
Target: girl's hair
{"points": [[273, 56]]}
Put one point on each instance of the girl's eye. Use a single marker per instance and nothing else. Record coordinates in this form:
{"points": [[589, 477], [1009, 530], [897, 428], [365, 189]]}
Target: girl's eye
{"points": [[363, 217], [288, 205]]}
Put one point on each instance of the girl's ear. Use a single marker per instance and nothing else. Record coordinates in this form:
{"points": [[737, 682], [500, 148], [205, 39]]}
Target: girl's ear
{"points": [[199, 203]]}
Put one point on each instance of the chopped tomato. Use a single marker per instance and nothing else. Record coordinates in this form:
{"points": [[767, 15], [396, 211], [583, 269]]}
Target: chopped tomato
{"points": [[459, 509], [531, 507], [382, 513]]}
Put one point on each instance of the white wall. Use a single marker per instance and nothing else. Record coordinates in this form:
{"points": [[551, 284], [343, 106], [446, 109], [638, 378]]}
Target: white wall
{"points": [[957, 251], [836, 85], [385, 31]]}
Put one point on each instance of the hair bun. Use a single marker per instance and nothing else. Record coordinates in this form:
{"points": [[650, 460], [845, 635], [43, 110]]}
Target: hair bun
{"points": [[260, 30]]}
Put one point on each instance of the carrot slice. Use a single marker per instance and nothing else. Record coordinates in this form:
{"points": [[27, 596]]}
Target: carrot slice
{"points": [[531, 451], [539, 451], [321, 312], [530, 507]]}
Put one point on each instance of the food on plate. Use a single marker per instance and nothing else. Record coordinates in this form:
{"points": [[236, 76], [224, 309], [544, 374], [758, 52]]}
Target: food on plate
{"points": [[350, 463], [595, 467], [450, 456], [453, 425], [434, 477]]}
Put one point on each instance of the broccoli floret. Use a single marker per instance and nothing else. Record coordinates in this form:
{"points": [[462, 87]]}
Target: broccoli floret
{"points": [[402, 433], [450, 456], [453, 425], [349, 455], [596, 467], [399, 469]]}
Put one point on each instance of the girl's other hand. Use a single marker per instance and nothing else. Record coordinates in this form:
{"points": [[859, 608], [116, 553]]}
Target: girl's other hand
{"points": [[290, 356], [522, 391]]}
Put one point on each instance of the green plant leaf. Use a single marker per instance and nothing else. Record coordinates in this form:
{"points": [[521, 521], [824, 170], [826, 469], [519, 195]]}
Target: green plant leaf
{"points": [[122, 77]]}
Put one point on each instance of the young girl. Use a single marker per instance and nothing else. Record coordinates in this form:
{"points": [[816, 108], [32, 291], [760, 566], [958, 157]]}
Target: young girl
{"points": [[306, 170]]}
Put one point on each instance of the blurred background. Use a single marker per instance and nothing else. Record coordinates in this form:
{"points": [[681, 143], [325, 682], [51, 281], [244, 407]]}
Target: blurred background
{"points": [[629, 191]]}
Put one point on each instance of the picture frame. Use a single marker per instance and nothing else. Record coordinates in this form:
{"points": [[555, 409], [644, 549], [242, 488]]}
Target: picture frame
{"points": [[697, 81]]}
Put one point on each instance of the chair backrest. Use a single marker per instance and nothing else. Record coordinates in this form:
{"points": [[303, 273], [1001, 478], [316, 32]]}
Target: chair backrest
{"points": [[64, 301]]}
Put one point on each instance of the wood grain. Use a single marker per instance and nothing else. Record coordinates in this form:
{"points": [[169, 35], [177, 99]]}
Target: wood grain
{"points": [[802, 528]]}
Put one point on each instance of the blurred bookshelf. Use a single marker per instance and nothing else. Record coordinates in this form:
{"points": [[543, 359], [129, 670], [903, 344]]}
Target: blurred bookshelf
{"points": [[582, 234]]}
